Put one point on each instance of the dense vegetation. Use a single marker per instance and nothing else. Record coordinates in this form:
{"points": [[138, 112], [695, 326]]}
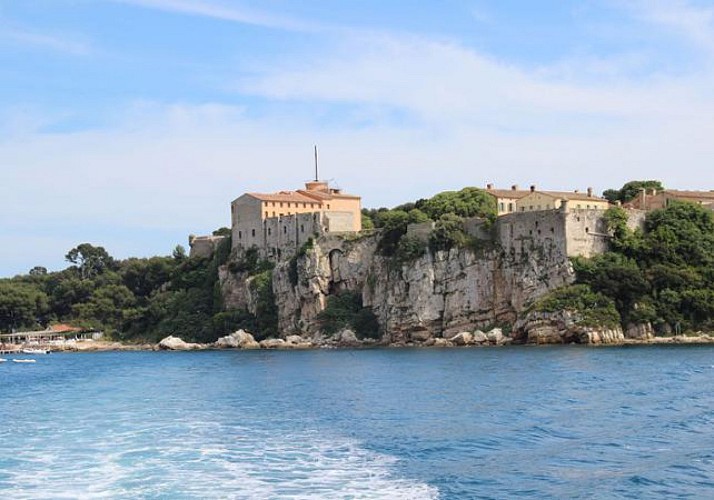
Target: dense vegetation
{"points": [[138, 299], [447, 210], [663, 274], [630, 190], [345, 310]]}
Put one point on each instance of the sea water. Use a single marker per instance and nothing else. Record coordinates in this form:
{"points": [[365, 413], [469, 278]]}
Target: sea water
{"points": [[517, 422]]}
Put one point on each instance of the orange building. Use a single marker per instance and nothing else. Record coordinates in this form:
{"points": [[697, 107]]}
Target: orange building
{"points": [[258, 219]]}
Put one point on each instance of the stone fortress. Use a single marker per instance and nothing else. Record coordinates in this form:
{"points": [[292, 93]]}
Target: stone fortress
{"points": [[570, 223]]}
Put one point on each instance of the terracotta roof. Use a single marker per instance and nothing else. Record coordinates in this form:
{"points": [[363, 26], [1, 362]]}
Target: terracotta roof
{"points": [[60, 328], [290, 196], [322, 195], [508, 193], [570, 195], [708, 195]]}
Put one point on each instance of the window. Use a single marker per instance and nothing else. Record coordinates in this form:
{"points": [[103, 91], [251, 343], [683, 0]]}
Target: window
{"points": [[502, 206], [252, 233], [285, 229], [266, 215], [587, 229], [328, 206], [510, 207], [302, 228], [281, 204], [530, 208], [268, 231], [273, 203], [273, 211], [240, 234], [304, 205]]}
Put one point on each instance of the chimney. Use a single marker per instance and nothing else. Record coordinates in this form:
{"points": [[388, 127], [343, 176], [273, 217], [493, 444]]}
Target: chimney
{"points": [[489, 186], [514, 187], [533, 188], [654, 191], [590, 192]]}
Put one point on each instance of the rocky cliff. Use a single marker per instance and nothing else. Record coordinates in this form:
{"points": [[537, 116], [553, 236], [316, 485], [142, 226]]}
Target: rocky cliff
{"points": [[436, 295]]}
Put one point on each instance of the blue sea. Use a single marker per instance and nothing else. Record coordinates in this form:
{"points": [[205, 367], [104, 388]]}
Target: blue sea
{"points": [[514, 422]]}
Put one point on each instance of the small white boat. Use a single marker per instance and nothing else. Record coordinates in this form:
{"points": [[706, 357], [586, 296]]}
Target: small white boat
{"points": [[2, 360], [24, 361], [35, 351]]}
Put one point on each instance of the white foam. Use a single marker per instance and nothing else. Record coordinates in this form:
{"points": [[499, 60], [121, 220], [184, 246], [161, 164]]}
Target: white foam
{"points": [[208, 461]]}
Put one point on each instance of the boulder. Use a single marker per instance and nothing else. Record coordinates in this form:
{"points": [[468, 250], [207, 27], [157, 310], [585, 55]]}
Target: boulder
{"points": [[462, 338], [495, 336], [440, 342], [297, 342], [272, 343], [172, 343], [347, 338], [479, 337], [237, 340]]}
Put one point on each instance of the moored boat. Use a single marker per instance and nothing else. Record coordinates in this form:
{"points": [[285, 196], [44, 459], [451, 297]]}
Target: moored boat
{"points": [[35, 351]]}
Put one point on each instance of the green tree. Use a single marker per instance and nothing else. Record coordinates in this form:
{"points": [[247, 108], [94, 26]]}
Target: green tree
{"points": [[630, 190], [89, 260], [468, 202], [21, 306]]}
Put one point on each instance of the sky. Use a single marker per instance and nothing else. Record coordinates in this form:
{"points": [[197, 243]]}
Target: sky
{"points": [[131, 124]]}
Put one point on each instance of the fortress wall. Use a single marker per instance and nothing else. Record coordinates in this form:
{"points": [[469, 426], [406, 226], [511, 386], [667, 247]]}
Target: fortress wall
{"points": [[339, 222], [285, 235], [520, 233], [203, 246], [586, 232]]}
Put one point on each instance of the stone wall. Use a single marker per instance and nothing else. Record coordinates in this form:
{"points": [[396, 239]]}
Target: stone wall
{"points": [[283, 236], [203, 246]]}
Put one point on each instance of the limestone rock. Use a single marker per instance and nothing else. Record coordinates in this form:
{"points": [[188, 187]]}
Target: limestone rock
{"points": [[462, 338], [272, 343], [641, 331], [420, 335], [172, 343], [495, 336], [479, 337], [347, 338], [237, 340], [441, 342], [297, 342]]}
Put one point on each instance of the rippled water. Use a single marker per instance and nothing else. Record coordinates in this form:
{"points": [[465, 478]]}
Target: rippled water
{"points": [[565, 422]]}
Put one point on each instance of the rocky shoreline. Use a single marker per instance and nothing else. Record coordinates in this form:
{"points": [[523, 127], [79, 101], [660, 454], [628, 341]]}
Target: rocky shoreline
{"points": [[242, 340]]}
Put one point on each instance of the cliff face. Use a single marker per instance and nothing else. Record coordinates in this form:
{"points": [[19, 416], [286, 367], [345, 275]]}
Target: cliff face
{"points": [[435, 295]]}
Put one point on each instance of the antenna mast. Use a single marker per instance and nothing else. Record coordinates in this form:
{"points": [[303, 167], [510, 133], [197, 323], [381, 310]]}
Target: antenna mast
{"points": [[316, 176]]}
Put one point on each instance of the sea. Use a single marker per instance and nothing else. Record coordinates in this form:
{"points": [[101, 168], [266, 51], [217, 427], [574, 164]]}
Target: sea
{"points": [[508, 422]]}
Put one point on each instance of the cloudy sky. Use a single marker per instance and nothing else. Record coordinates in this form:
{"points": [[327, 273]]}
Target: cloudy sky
{"points": [[132, 123]]}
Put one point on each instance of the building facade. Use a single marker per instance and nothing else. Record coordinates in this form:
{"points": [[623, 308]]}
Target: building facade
{"points": [[553, 200], [277, 224], [651, 199]]}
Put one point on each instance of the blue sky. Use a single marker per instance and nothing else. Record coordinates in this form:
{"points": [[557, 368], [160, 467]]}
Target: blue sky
{"points": [[132, 123]]}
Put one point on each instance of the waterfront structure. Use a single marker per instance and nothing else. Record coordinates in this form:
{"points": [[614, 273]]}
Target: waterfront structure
{"points": [[652, 199]]}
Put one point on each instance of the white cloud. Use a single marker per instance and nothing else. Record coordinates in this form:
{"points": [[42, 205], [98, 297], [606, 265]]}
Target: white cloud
{"points": [[685, 19], [58, 43], [224, 11]]}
